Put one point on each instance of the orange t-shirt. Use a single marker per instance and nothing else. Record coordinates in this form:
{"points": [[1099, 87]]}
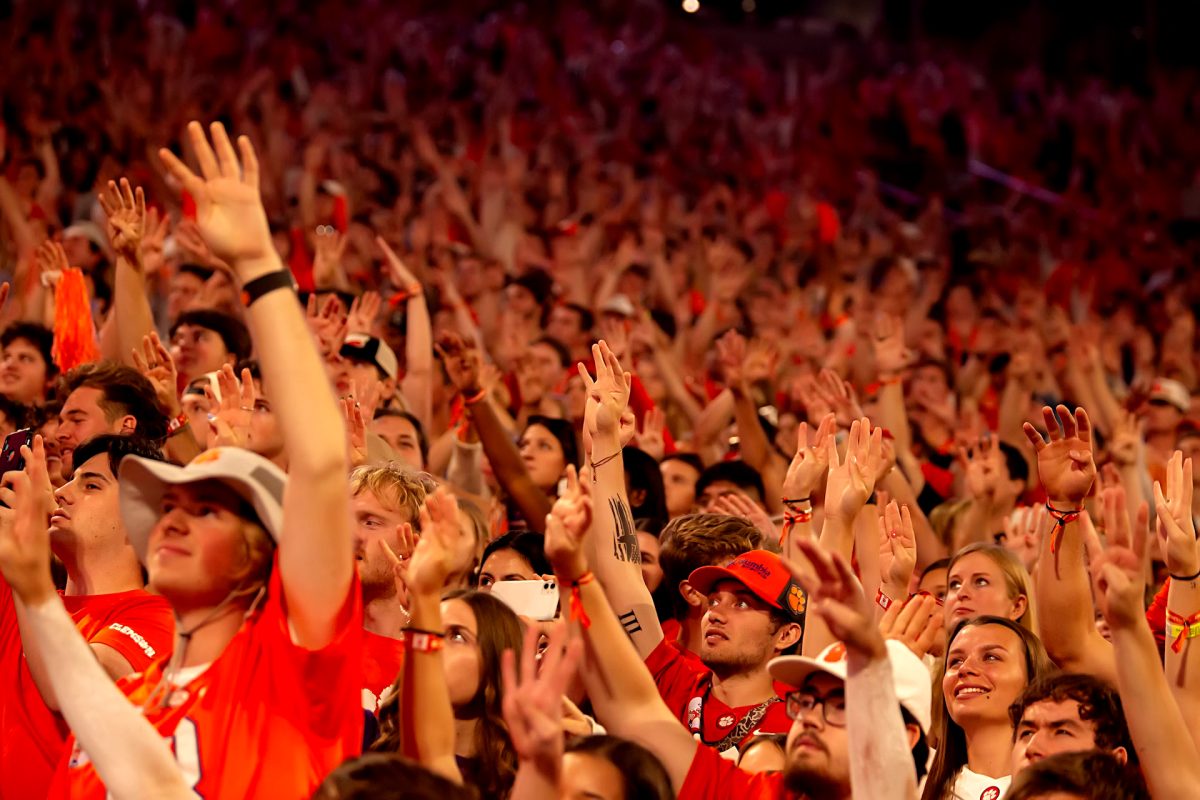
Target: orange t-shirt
{"points": [[711, 777], [137, 624], [266, 719], [382, 658]]}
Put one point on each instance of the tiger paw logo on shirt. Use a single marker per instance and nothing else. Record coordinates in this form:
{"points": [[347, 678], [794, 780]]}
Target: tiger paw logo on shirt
{"points": [[694, 709]]}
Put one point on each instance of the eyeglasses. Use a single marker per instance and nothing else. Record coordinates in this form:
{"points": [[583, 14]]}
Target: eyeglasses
{"points": [[833, 706]]}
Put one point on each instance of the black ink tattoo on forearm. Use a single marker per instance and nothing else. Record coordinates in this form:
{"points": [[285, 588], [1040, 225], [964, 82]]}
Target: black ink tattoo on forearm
{"points": [[629, 622], [625, 543]]}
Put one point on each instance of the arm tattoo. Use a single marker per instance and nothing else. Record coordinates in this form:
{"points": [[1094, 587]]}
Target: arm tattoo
{"points": [[625, 543], [629, 622]]}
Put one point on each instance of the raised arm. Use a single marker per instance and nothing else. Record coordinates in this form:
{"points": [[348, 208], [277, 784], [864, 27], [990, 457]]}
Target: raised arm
{"points": [[1169, 759], [316, 562], [623, 694], [881, 764], [1066, 620], [613, 547], [417, 385], [125, 208], [131, 757], [463, 364], [1177, 535], [427, 717]]}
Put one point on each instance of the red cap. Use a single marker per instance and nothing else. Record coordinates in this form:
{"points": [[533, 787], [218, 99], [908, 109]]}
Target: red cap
{"points": [[764, 574]]}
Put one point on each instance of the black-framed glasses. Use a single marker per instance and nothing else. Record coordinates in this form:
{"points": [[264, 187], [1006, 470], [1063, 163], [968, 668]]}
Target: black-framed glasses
{"points": [[833, 706]]}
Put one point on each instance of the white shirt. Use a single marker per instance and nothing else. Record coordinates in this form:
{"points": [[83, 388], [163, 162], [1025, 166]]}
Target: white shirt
{"points": [[973, 786]]}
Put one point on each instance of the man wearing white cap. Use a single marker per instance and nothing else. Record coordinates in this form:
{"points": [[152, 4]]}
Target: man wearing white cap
{"points": [[261, 696], [1167, 403], [849, 738]]}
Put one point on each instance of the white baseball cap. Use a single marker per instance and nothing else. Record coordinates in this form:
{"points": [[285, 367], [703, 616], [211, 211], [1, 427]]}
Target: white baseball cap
{"points": [[143, 483], [909, 675]]}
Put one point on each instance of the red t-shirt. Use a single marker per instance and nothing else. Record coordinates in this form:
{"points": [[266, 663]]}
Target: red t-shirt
{"points": [[266, 719], [137, 624], [714, 778], [382, 658], [685, 686]]}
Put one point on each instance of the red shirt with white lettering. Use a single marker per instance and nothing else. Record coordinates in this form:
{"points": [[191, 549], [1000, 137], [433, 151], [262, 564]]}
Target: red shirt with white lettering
{"points": [[268, 718], [686, 687], [137, 624]]}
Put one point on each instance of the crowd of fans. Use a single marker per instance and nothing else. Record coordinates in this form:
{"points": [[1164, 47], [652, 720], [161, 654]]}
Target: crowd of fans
{"points": [[554, 403]]}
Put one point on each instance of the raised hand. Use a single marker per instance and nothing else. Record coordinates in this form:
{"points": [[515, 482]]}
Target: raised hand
{"points": [[155, 362], [567, 524], [852, 480], [1065, 464], [126, 212], [364, 310], [811, 461], [229, 209], [433, 560], [1175, 526], [608, 394], [51, 259], [650, 437], [983, 467], [533, 701], [897, 548], [837, 596], [462, 361], [356, 429], [229, 417], [1117, 570], [839, 395], [731, 355], [24, 533], [153, 239], [914, 623], [1125, 445], [739, 505], [329, 246], [402, 277], [891, 355], [328, 324], [1024, 530]]}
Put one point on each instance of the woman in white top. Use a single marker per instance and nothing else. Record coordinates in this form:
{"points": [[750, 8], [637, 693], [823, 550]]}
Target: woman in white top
{"points": [[988, 661]]}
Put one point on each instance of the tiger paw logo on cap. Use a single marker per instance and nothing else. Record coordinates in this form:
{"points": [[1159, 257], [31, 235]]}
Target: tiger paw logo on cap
{"points": [[990, 793], [797, 601]]}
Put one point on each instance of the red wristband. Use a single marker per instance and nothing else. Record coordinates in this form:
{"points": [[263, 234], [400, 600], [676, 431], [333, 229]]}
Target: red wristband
{"points": [[177, 424], [882, 600]]}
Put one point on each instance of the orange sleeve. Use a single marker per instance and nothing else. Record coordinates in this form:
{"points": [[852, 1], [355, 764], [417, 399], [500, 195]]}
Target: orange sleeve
{"points": [[141, 633]]}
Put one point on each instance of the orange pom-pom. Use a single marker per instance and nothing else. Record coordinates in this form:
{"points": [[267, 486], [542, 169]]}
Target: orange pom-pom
{"points": [[74, 331]]}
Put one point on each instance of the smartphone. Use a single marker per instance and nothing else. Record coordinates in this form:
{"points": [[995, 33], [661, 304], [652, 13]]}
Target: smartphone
{"points": [[11, 459], [536, 600]]}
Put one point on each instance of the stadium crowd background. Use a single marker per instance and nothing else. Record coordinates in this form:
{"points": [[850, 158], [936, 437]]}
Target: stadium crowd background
{"points": [[908, 320]]}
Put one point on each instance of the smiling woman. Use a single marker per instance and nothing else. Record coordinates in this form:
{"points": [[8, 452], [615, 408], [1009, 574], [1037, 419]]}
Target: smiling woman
{"points": [[988, 661]]}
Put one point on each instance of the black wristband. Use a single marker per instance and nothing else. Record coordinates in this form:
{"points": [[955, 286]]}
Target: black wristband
{"points": [[1185, 578], [267, 283]]}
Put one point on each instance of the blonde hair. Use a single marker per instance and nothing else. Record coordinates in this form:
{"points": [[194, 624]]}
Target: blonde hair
{"points": [[1016, 577], [394, 485]]}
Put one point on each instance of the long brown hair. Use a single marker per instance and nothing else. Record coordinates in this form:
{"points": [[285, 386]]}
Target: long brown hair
{"points": [[951, 738], [494, 766]]}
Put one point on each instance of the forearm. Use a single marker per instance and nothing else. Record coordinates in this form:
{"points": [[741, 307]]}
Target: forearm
{"points": [[892, 413], [315, 562], [10, 207], [131, 310], [418, 359], [182, 447], [1168, 755], [506, 462], [35, 657], [1066, 619], [1183, 673], [613, 548], [128, 753], [713, 418], [881, 762], [427, 715]]}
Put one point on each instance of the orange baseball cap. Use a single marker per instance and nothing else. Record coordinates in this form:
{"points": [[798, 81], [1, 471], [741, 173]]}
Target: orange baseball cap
{"points": [[761, 572]]}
